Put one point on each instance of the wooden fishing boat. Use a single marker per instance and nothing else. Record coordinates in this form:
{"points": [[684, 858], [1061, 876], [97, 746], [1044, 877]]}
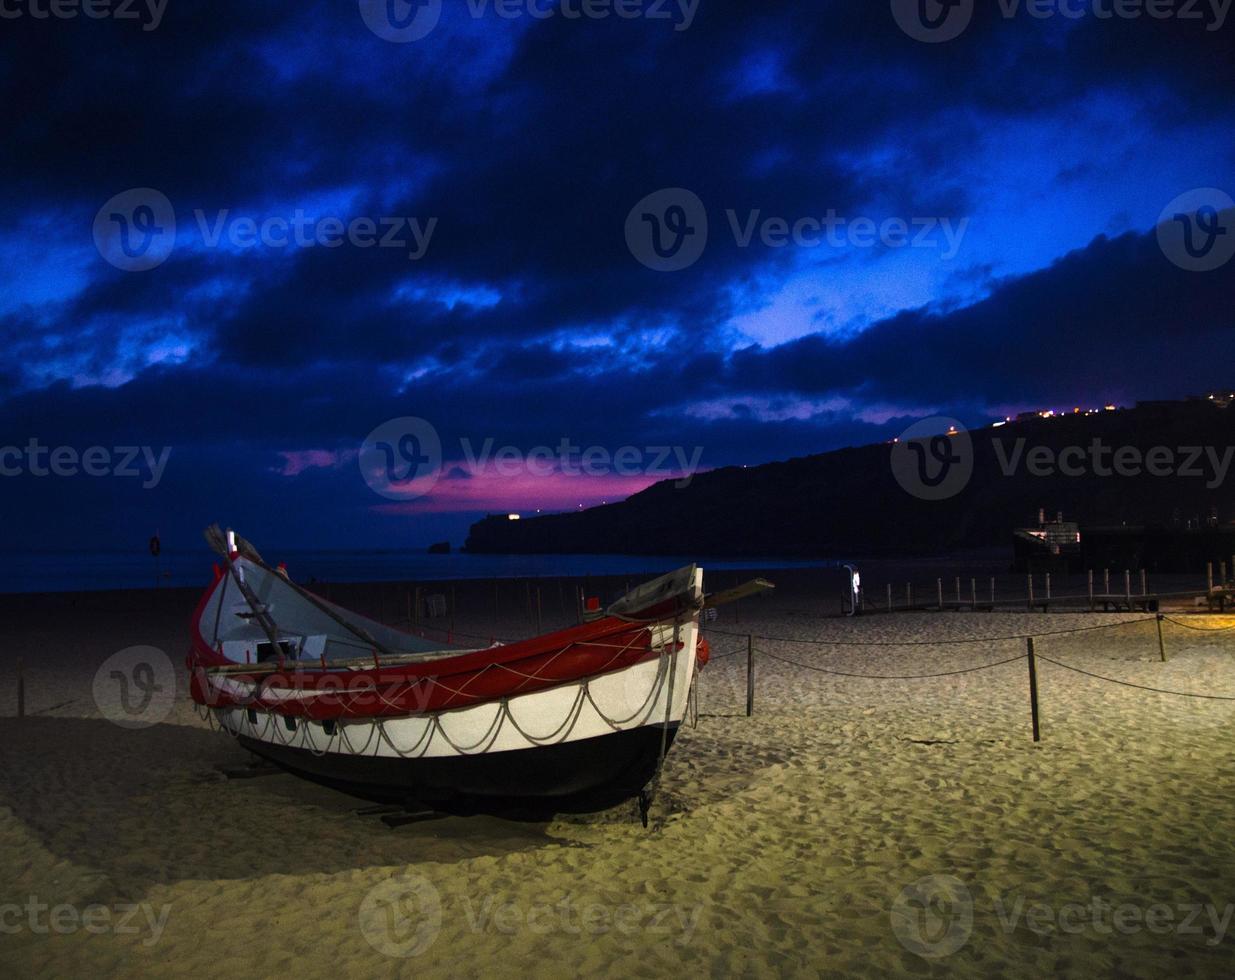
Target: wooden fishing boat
{"points": [[573, 721]]}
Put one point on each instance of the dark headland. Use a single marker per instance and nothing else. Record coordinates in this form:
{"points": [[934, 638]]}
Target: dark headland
{"points": [[848, 502]]}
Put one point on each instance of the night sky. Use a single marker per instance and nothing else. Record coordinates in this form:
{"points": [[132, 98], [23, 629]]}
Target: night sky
{"points": [[977, 234]]}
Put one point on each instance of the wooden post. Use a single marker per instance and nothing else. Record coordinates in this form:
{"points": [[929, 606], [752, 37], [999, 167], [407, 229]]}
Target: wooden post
{"points": [[908, 596], [889, 597], [973, 592], [1161, 643], [1106, 581], [1209, 578], [939, 588], [1222, 572], [1033, 690], [1029, 604], [1048, 585], [1090, 577], [1144, 582], [992, 591], [750, 676], [1128, 588], [958, 592], [21, 688]]}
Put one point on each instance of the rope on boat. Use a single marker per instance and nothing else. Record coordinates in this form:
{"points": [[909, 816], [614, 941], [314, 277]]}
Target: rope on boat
{"points": [[434, 724]]}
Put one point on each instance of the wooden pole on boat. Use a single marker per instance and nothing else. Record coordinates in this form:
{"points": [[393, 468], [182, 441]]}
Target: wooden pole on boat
{"points": [[21, 688], [750, 675], [1033, 690]]}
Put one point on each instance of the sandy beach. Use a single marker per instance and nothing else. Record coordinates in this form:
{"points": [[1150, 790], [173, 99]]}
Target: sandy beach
{"points": [[852, 826]]}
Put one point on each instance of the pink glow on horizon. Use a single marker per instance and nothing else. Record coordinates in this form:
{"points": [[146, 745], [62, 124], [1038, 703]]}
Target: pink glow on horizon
{"points": [[524, 493], [296, 461]]}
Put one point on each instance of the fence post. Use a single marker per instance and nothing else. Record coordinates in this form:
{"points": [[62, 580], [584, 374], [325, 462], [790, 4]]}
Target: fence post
{"points": [[750, 675], [1161, 644], [21, 688], [1090, 590], [1033, 690]]}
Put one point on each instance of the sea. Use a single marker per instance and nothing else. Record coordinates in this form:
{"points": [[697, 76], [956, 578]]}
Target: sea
{"points": [[87, 571]]}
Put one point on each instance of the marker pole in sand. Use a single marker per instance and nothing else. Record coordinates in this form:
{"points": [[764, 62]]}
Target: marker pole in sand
{"points": [[750, 676], [1033, 690], [1161, 644], [21, 689]]}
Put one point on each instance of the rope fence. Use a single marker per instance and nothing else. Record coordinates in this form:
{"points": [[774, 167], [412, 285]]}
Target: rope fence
{"points": [[1030, 657]]}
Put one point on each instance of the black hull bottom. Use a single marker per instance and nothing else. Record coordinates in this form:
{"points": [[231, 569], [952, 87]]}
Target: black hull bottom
{"points": [[572, 777]]}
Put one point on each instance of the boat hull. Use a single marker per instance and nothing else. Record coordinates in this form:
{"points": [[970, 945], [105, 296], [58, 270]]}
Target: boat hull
{"points": [[581, 776]]}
